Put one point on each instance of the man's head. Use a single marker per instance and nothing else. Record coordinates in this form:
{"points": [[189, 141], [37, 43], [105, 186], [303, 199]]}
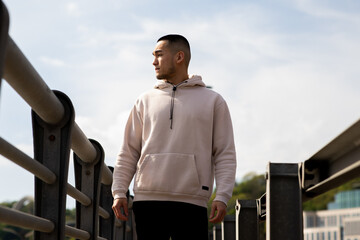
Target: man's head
{"points": [[172, 56]]}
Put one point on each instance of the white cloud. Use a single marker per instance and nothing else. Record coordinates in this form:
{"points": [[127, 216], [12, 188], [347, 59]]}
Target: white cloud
{"points": [[52, 61], [72, 9], [340, 11]]}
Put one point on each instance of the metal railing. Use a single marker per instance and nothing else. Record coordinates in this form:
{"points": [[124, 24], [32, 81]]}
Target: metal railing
{"points": [[289, 185], [55, 133]]}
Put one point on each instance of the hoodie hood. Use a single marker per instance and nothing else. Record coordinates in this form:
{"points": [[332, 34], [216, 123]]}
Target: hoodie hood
{"points": [[194, 80]]}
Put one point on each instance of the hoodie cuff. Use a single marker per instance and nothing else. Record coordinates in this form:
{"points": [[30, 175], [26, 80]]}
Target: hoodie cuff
{"points": [[119, 195], [221, 199]]}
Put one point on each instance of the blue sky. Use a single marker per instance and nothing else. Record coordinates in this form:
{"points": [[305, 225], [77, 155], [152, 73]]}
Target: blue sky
{"points": [[288, 70]]}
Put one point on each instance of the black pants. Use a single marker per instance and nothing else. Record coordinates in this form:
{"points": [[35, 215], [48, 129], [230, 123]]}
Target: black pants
{"points": [[161, 220]]}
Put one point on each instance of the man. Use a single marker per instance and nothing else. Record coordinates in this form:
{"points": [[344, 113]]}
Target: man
{"points": [[177, 139]]}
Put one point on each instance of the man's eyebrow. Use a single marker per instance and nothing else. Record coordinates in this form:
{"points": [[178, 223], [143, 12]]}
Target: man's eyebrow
{"points": [[156, 51]]}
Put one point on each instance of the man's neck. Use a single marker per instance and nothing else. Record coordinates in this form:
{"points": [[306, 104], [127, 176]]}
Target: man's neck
{"points": [[178, 79]]}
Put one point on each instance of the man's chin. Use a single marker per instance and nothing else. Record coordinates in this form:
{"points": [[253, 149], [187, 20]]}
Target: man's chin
{"points": [[160, 77]]}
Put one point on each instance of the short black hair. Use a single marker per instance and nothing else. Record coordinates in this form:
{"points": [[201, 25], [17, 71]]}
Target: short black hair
{"points": [[175, 38], [181, 42]]}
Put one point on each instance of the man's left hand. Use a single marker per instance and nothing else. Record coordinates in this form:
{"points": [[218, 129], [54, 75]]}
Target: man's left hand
{"points": [[220, 209]]}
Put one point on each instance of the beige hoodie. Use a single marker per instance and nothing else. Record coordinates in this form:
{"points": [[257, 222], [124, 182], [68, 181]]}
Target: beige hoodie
{"points": [[177, 139]]}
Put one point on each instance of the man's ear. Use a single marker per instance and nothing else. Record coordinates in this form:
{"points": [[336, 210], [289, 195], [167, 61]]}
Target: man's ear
{"points": [[180, 56]]}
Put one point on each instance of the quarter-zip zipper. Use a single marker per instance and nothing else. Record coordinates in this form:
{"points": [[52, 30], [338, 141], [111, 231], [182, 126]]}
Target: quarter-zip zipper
{"points": [[172, 104]]}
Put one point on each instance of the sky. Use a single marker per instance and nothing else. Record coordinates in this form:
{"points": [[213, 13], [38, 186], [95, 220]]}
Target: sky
{"points": [[288, 70]]}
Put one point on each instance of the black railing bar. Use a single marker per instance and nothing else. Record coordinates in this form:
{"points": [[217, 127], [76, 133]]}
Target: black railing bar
{"points": [[76, 233], [24, 220], [20, 158], [25, 80]]}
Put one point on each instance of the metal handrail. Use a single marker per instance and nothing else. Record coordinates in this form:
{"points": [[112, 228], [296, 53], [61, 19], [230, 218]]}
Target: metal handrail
{"points": [[25, 80], [15, 155], [40, 171], [78, 195], [76, 233], [25, 220]]}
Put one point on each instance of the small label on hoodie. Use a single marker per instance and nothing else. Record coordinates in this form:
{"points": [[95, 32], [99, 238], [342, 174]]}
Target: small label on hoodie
{"points": [[205, 188]]}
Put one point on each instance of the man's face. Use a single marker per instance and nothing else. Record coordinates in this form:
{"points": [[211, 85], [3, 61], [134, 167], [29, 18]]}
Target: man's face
{"points": [[163, 61]]}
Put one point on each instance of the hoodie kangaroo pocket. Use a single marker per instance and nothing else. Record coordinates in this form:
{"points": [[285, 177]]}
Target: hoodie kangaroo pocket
{"points": [[168, 173]]}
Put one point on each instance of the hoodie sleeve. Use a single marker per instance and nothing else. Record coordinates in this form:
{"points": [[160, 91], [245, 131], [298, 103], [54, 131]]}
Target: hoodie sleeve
{"points": [[125, 166], [224, 155]]}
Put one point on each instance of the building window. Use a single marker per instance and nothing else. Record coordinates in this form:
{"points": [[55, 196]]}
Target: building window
{"points": [[310, 221], [320, 221]]}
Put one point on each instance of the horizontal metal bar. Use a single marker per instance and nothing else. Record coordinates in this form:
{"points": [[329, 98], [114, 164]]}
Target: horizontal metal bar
{"points": [[25, 220], [103, 213], [78, 195], [334, 164], [339, 146], [79, 233], [76, 233], [335, 180], [26, 81], [15, 155]]}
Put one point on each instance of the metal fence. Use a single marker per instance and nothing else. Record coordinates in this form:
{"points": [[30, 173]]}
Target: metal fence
{"points": [[289, 185], [55, 133]]}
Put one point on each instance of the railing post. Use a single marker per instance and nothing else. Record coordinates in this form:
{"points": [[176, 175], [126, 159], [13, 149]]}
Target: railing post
{"points": [[247, 220], [4, 29], [283, 202], [88, 181], [228, 229], [106, 226], [217, 235], [52, 149]]}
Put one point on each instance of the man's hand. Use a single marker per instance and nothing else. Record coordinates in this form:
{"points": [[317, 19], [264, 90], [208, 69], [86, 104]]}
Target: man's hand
{"points": [[220, 209], [118, 205]]}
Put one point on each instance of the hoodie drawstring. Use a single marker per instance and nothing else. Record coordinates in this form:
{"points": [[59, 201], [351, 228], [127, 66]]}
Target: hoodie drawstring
{"points": [[172, 105]]}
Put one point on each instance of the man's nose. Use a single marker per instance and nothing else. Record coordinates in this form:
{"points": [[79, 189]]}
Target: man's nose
{"points": [[155, 62]]}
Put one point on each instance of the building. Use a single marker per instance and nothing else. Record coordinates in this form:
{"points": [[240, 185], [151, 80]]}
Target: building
{"points": [[340, 222]]}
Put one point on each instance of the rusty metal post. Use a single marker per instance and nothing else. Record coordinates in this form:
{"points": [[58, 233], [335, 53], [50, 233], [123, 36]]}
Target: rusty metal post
{"points": [[52, 149], [88, 181]]}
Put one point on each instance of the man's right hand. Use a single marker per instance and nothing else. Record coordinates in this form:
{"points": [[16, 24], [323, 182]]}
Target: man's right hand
{"points": [[118, 205]]}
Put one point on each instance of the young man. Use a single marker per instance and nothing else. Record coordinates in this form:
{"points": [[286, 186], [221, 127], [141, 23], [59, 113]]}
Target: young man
{"points": [[178, 138]]}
